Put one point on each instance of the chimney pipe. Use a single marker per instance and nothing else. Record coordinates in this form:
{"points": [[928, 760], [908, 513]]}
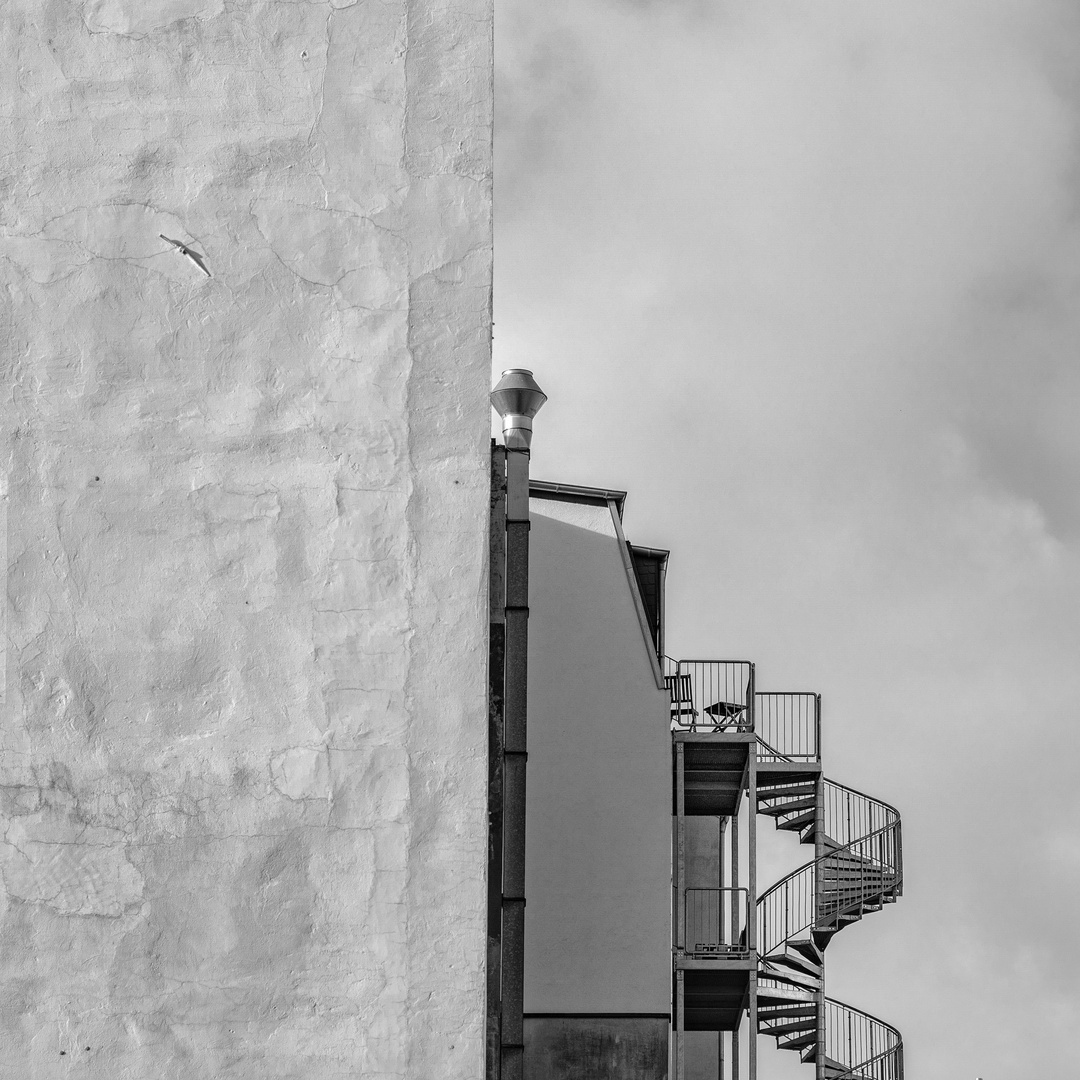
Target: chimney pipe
{"points": [[517, 399]]}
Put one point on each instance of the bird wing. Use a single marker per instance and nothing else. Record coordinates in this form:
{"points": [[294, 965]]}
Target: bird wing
{"points": [[197, 259], [194, 256]]}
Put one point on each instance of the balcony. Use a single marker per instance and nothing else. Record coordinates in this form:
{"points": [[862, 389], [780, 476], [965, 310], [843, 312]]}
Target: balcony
{"points": [[710, 695], [715, 922], [719, 696]]}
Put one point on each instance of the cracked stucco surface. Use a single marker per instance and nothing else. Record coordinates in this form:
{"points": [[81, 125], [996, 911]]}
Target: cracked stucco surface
{"points": [[242, 754]]}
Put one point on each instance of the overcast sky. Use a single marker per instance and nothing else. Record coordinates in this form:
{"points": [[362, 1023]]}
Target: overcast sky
{"points": [[803, 276]]}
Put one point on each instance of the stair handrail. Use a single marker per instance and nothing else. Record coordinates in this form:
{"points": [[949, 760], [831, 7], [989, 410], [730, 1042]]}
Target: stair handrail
{"points": [[771, 749], [808, 898], [858, 1069], [869, 798], [891, 816], [765, 944]]}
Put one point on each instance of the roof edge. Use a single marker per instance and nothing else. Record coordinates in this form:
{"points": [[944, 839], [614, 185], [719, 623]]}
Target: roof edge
{"points": [[543, 489], [652, 553]]}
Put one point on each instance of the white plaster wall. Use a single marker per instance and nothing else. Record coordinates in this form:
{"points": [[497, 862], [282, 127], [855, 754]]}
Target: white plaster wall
{"points": [[598, 843], [242, 773]]}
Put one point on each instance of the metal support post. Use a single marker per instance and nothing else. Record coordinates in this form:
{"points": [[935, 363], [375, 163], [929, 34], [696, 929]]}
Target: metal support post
{"points": [[735, 1051], [735, 876], [751, 905], [680, 908], [680, 847], [819, 852], [680, 1024], [751, 1026], [720, 837], [751, 854]]}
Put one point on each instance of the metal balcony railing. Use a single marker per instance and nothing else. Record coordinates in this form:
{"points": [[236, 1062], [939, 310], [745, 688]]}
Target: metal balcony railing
{"points": [[711, 695], [788, 726], [716, 921]]}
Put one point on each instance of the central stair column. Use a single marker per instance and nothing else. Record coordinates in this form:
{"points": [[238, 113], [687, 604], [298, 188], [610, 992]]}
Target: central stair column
{"points": [[721, 830], [819, 885], [751, 885], [680, 905]]}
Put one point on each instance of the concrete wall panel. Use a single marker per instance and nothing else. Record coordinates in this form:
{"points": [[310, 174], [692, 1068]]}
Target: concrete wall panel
{"points": [[596, 1048], [598, 845], [242, 758]]}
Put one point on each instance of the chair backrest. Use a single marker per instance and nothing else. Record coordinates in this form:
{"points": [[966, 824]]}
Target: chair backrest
{"points": [[681, 690]]}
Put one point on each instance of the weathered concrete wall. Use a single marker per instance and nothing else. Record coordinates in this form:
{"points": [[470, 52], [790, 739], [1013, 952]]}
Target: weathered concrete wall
{"points": [[585, 1048], [244, 727]]}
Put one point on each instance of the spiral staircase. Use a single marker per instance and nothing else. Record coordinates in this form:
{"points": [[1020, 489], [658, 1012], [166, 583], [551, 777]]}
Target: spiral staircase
{"points": [[857, 868]]}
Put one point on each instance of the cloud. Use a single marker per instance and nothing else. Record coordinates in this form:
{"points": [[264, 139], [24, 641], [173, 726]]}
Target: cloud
{"points": [[802, 276]]}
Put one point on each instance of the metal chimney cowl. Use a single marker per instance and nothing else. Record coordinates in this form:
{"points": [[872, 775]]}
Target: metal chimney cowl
{"points": [[517, 399]]}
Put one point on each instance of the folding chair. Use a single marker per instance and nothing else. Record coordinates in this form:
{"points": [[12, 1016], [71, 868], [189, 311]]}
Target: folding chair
{"points": [[681, 692]]}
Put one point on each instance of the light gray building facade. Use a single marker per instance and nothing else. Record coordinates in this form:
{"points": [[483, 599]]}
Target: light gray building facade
{"points": [[246, 262]]}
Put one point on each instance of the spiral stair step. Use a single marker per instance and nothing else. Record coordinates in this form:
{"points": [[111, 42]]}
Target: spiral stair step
{"points": [[838, 876], [841, 857], [830, 871], [782, 1026], [786, 1001], [801, 1026], [791, 976], [841, 899], [791, 805], [784, 788], [800, 954], [799, 823], [786, 807], [838, 888], [785, 996], [833, 1070], [797, 1042]]}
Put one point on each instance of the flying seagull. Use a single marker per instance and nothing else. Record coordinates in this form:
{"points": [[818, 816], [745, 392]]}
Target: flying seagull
{"points": [[194, 256]]}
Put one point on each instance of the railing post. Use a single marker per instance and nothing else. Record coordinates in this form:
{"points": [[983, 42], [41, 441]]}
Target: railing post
{"points": [[898, 845], [735, 877], [721, 829], [751, 702], [752, 1025], [735, 1053], [680, 1023], [751, 806], [819, 852], [817, 726]]}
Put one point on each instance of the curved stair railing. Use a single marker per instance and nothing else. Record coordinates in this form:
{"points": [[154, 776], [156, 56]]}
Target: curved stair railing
{"points": [[859, 1046], [853, 876], [858, 869]]}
